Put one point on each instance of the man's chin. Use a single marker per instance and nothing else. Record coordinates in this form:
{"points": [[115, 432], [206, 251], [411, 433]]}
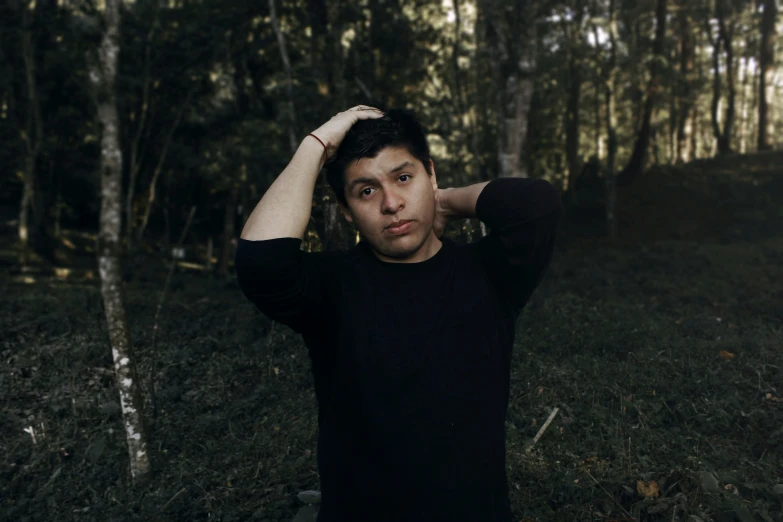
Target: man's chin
{"points": [[398, 249]]}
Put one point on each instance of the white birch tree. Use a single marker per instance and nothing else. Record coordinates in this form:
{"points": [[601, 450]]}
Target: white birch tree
{"points": [[103, 74]]}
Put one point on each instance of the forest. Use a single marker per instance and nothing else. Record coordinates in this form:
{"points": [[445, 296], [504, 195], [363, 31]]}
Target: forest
{"points": [[136, 137]]}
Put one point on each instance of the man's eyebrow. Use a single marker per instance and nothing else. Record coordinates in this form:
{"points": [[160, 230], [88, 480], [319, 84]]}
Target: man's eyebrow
{"points": [[359, 181], [400, 167]]}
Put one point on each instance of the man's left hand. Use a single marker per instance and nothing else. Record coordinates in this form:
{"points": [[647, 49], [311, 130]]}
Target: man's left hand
{"points": [[442, 214], [455, 203]]}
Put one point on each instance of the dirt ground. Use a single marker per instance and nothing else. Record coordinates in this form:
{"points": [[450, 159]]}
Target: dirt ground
{"points": [[662, 351]]}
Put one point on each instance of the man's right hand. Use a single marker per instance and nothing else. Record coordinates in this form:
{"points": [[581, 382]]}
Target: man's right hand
{"points": [[333, 131]]}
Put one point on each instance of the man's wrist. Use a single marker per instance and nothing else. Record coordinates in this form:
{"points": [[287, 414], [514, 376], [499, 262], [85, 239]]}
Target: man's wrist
{"points": [[460, 203], [445, 205], [310, 147]]}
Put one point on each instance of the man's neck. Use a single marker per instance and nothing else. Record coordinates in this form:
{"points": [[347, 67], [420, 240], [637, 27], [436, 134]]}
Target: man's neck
{"points": [[429, 248]]}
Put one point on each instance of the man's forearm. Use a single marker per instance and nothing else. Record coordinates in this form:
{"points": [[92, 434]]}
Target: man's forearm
{"points": [[461, 202], [284, 210]]}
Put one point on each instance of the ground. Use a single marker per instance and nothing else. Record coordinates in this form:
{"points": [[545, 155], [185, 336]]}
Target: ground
{"points": [[662, 352]]}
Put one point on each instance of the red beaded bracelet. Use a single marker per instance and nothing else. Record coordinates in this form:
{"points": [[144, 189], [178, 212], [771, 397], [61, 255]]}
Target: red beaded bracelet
{"points": [[321, 142]]}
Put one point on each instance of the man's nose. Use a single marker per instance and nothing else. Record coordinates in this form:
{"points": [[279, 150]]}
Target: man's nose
{"points": [[392, 202]]}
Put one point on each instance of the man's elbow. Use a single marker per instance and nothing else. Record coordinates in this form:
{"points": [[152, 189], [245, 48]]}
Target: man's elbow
{"points": [[547, 198]]}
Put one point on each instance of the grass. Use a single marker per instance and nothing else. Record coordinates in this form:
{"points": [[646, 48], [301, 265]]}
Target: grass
{"points": [[663, 353]]}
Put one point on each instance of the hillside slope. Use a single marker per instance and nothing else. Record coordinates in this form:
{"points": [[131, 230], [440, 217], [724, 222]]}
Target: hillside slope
{"points": [[728, 198]]}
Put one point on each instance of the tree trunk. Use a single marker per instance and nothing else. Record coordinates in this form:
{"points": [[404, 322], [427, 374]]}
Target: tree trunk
{"points": [[766, 128], [523, 99], [726, 35], [24, 210], [32, 136], [58, 208], [574, 96], [336, 233], [166, 240], [696, 141], [480, 106], [637, 55], [292, 126], [229, 220], [611, 124], [753, 110], [208, 266], [319, 24], [600, 92], [597, 142], [685, 102], [471, 142], [494, 53], [671, 132], [513, 60], [744, 113], [337, 53], [337, 236], [639, 156], [462, 111], [103, 74], [716, 82], [459, 96]]}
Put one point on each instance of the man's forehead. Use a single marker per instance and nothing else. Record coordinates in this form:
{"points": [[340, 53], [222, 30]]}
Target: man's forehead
{"points": [[386, 161]]}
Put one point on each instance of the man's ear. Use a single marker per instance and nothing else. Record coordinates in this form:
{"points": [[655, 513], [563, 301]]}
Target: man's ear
{"points": [[346, 212], [433, 178]]}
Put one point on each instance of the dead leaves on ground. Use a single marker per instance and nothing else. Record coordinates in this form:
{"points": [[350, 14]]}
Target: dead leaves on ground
{"points": [[647, 489], [772, 398]]}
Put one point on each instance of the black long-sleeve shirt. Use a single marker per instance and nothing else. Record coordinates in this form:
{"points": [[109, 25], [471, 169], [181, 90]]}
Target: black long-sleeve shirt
{"points": [[411, 361]]}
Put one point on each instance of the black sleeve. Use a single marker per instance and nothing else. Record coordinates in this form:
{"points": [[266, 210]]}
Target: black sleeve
{"points": [[285, 283], [523, 215]]}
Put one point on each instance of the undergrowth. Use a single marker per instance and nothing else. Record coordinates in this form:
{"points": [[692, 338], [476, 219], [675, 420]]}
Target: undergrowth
{"points": [[663, 358]]}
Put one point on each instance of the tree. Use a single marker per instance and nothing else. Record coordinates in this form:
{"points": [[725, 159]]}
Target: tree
{"points": [[573, 131], [766, 73], [611, 123], [103, 73], [685, 84], [328, 63], [724, 36], [638, 159], [511, 39], [32, 136], [292, 120]]}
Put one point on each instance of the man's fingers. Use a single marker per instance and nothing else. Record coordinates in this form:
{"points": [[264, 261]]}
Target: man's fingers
{"points": [[333, 131], [363, 108], [366, 112], [369, 114]]}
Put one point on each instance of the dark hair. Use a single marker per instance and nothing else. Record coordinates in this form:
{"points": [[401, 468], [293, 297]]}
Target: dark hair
{"points": [[398, 127]]}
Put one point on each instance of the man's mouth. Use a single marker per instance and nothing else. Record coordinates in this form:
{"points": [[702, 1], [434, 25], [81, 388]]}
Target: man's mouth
{"points": [[400, 227]]}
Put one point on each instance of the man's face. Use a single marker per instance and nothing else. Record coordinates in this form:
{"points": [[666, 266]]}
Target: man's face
{"points": [[387, 190]]}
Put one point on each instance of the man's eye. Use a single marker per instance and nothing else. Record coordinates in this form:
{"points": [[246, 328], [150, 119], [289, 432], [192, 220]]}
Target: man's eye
{"points": [[366, 192], [404, 176]]}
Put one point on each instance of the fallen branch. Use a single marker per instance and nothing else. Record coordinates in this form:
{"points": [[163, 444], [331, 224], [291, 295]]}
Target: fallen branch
{"points": [[544, 427]]}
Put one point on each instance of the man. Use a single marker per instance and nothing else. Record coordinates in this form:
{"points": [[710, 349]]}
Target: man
{"points": [[410, 334]]}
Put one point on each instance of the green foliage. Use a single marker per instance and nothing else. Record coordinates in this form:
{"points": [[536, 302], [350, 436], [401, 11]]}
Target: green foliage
{"points": [[203, 102]]}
